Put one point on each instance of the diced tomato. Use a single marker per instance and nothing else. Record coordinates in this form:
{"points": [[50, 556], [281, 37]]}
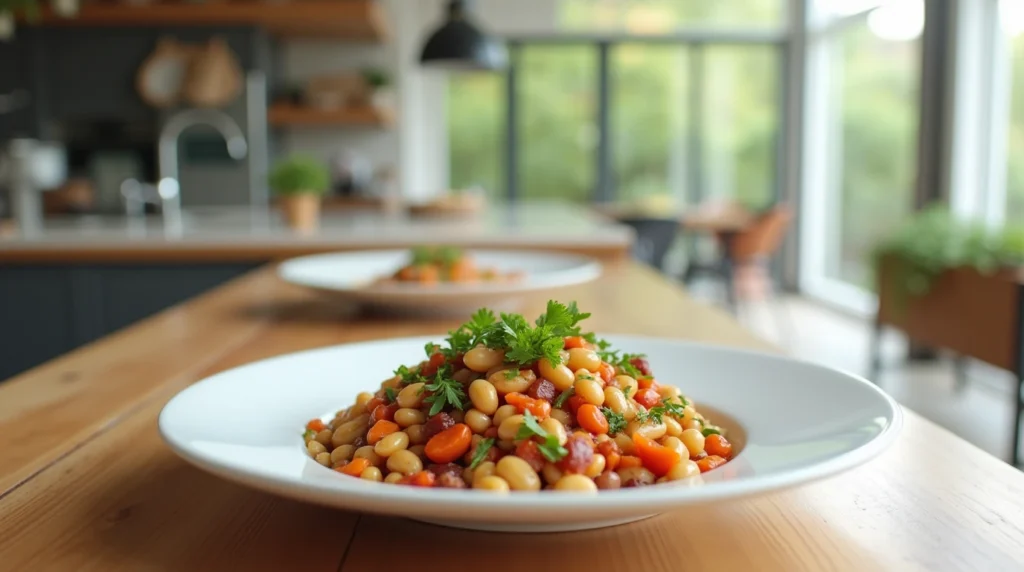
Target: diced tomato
{"points": [[641, 364], [385, 412], [574, 402], [647, 397], [373, 403], [431, 367], [575, 342], [527, 450], [607, 371]]}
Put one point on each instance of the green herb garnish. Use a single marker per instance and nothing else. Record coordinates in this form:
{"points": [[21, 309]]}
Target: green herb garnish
{"points": [[551, 450], [560, 400], [546, 339], [710, 430], [549, 446], [511, 373], [389, 393], [627, 390], [657, 412], [616, 421], [480, 329], [481, 452], [308, 434], [408, 376], [446, 392], [622, 361]]}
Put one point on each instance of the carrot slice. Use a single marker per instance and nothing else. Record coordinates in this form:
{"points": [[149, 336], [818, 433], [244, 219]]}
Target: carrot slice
{"points": [[450, 444], [657, 458], [355, 467], [380, 430]]}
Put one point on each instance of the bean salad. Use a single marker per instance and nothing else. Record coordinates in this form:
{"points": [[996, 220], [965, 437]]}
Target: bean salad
{"points": [[505, 405]]}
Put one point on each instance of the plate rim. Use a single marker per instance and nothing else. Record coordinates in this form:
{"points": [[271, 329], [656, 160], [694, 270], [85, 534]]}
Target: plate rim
{"points": [[518, 506]]}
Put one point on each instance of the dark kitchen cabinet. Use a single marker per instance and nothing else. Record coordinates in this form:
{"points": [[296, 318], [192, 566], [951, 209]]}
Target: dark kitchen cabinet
{"points": [[49, 310]]}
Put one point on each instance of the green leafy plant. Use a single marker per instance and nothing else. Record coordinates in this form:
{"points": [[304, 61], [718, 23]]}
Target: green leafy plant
{"points": [[934, 241], [376, 78], [300, 175]]}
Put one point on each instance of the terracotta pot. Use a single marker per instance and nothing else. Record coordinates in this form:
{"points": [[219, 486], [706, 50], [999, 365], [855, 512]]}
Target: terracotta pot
{"points": [[301, 211]]}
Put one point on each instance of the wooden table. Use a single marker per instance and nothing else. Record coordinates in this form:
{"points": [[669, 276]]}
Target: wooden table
{"points": [[87, 484]]}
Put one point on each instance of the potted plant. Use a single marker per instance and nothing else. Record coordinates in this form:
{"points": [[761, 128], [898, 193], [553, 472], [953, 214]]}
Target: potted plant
{"points": [[300, 182], [954, 284], [381, 93]]}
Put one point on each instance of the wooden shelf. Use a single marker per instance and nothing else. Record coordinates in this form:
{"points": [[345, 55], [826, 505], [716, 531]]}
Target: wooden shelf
{"points": [[289, 115], [355, 20]]}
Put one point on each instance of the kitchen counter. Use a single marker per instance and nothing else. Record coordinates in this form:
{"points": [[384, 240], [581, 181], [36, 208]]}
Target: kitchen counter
{"points": [[87, 484], [240, 234]]}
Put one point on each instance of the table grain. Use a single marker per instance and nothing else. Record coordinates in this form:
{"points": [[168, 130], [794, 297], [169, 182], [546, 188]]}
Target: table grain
{"points": [[87, 484]]}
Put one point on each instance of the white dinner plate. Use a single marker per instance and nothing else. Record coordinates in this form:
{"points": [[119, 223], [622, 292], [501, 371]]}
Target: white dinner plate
{"points": [[352, 276], [791, 422]]}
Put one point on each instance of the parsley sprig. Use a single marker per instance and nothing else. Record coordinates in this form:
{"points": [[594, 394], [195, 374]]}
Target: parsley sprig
{"points": [[390, 394], [621, 361], [408, 376], [548, 446], [481, 452], [482, 328], [560, 400], [445, 392], [656, 413], [616, 421], [545, 339]]}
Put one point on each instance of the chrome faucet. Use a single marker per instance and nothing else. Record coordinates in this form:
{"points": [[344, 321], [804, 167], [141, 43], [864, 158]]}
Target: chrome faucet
{"points": [[168, 190]]}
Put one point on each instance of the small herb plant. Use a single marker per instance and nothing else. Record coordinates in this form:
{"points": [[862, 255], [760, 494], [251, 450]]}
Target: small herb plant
{"points": [[300, 175], [934, 241], [376, 78]]}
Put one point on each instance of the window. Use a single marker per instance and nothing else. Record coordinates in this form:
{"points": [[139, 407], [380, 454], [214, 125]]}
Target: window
{"points": [[649, 123], [861, 145], [1014, 213], [557, 133], [739, 123], [654, 17], [476, 132]]}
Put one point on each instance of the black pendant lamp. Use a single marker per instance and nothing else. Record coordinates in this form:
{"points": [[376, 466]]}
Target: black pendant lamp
{"points": [[460, 45]]}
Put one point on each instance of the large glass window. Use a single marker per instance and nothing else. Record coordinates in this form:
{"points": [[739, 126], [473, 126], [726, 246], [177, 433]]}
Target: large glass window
{"points": [[739, 123], [878, 109], [557, 126], [649, 123], [648, 17], [1015, 158], [476, 132], [861, 150]]}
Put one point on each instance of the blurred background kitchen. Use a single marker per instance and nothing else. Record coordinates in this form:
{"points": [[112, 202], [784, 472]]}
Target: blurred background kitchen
{"points": [[770, 154]]}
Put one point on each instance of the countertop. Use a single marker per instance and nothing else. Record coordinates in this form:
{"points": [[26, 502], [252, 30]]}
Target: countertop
{"points": [[240, 234], [87, 484]]}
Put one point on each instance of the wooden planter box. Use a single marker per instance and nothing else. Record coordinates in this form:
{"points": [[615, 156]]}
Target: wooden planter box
{"points": [[973, 314]]}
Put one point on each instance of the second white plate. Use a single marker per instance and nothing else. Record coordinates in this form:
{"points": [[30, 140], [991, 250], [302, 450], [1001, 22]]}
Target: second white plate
{"points": [[351, 276]]}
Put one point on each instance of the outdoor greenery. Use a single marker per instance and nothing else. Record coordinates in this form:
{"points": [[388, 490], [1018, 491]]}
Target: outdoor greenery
{"points": [[299, 175], [1015, 174], [933, 241], [871, 158]]}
